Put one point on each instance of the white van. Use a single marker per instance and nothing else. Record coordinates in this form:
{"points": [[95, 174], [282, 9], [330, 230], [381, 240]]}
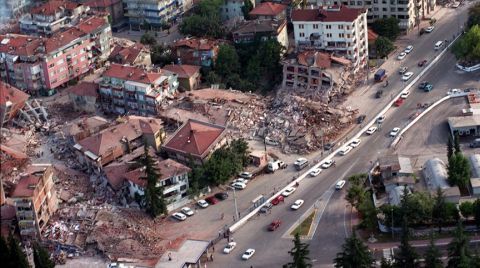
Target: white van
{"points": [[438, 45]]}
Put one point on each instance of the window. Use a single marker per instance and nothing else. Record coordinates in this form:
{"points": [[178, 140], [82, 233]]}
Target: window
{"points": [[359, 3], [329, 35], [302, 34], [341, 35], [384, 9], [51, 65], [392, 9], [349, 36], [352, 3], [315, 26], [340, 27], [301, 26], [328, 26], [348, 27]]}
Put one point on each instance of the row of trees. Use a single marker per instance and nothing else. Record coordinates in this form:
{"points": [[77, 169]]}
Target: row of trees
{"points": [[12, 255], [467, 48], [359, 198], [205, 20], [459, 172], [388, 31]]}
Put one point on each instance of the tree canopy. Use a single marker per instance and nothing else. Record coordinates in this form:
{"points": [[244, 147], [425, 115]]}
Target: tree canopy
{"points": [[354, 254], [299, 253], [383, 46], [432, 255], [473, 15], [148, 39], [387, 27], [41, 257], [458, 249], [14, 255], [467, 48], [205, 21], [459, 170]]}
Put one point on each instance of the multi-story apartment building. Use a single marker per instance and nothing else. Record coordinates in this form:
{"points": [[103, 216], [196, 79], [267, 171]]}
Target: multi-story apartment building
{"points": [[9, 9], [408, 12], [339, 29], [264, 29], [153, 12], [131, 89], [50, 17], [40, 65], [114, 8], [173, 178], [12, 100], [196, 51], [232, 9], [35, 200]]}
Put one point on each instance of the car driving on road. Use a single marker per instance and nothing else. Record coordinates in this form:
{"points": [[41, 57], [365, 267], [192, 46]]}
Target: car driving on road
{"points": [[245, 175], [315, 172], [408, 49], [394, 132], [402, 70], [405, 94], [406, 76], [371, 130], [339, 185], [229, 247], [429, 29], [248, 254], [355, 143], [239, 185], [297, 204], [266, 207], [345, 150], [274, 225], [289, 191], [327, 163], [380, 119]]}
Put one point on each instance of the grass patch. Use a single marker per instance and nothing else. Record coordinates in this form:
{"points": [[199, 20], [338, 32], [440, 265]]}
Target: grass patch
{"points": [[304, 227]]}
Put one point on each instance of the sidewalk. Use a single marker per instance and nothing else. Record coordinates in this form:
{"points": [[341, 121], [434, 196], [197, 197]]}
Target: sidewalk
{"points": [[417, 243]]}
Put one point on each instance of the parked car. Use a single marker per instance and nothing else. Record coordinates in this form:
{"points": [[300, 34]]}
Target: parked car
{"points": [[380, 119], [402, 70], [423, 84], [248, 254], [428, 88], [394, 131], [179, 216], [229, 247], [405, 94], [297, 204], [274, 225], [408, 49], [211, 200], [202, 203], [187, 211], [345, 150], [289, 191], [379, 94], [327, 163], [328, 146], [245, 175], [239, 185], [371, 130], [361, 118], [265, 208], [278, 199], [422, 63], [301, 163], [240, 180], [315, 172], [355, 143], [429, 29], [221, 196], [406, 76], [401, 56], [340, 184]]}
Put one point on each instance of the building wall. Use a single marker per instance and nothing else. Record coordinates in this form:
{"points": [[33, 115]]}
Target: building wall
{"points": [[232, 9], [155, 12], [282, 37]]}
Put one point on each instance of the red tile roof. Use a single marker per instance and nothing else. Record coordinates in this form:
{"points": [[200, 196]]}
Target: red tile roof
{"points": [[115, 173], [267, 9], [335, 14], [22, 45], [314, 59], [101, 3], [183, 70], [12, 94], [132, 73], [197, 43], [372, 36], [195, 137], [126, 54], [167, 169], [51, 7], [84, 89], [25, 186], [92, 24], [61, 39]]}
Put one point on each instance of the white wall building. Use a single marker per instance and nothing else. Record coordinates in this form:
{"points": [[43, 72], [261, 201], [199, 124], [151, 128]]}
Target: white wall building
{"points": [[232, 9], [342, 30]]}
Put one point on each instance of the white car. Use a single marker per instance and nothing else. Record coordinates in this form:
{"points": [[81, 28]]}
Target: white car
{"points": [[241, 180], [394, 132], [340, 184], [405, 94], [315, 172], [289, 191], [371, 130], [328, 163], [453, 91], [429, 29], [179, 216], [297, 204], [239, 185], [345, 150], [187, 211], [406, 76], [246, 175], [408, 49], [380, 119], [401, 56], [229, 247], [202, 203], [248, 254], [355, 143]]}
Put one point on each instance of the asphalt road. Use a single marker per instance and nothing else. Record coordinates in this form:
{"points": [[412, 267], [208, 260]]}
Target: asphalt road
{"points": [[272, 247]]}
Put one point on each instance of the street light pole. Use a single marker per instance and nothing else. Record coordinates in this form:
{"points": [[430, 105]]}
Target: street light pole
{"points": [[235, 201]]}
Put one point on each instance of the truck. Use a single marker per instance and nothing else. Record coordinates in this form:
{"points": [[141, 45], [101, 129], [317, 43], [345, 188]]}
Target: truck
{"points": [[274, 165], [380, 75]]}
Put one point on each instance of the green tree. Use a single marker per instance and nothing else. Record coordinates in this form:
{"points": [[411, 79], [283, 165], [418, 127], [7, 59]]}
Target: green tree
{"points": [[467, 48], [162, 55], [384, 263], [458, 251], [383, 46], [18, 258], [354, 254], [246, 8], [227, 62], [148, 39], [467, 208], [449, 147], [205, 21], [473, 15], [387, 27], [213, 78], [439, 211], [419, 206], [459, 171], [153, 200], [41, 257], [432, 255], [299, 253], [476, 212], [456, 143], [4, 252], [406, 256], [368, 213]]}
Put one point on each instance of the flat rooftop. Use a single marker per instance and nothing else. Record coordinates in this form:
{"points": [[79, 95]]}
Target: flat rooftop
{"points": [[189, 253], [464, 121]]}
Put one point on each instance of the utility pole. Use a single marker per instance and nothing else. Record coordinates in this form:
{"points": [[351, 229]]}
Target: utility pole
{"points": [[235, 202]]}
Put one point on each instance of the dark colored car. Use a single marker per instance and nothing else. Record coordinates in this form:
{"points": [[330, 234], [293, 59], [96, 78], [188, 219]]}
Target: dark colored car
{"points": [[221, 196], [398, 102], [278, 199], [423, 85], [379, 94], [422, 63], [274, 225], [211, 200], [361, 118], [266, 207], [470, 89], [328, 146]]}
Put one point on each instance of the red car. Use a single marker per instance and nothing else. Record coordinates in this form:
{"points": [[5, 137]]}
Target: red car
{"points": [[278, 199], [274, 225], [422, 63], [211, 200], [399, 102]]}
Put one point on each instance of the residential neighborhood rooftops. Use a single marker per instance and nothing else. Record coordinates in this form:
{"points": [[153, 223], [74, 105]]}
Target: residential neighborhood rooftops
{"points": [[132, 73], [435, 172], [61, 39], [189, 252], [197, 43], [17, 44], [167, 169], [260, 26], [92, 24], [84, 89], [126, 54], [267, 9], [51, 7], [183, 70], [330, 14], [475, 165], [101, 3]]}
